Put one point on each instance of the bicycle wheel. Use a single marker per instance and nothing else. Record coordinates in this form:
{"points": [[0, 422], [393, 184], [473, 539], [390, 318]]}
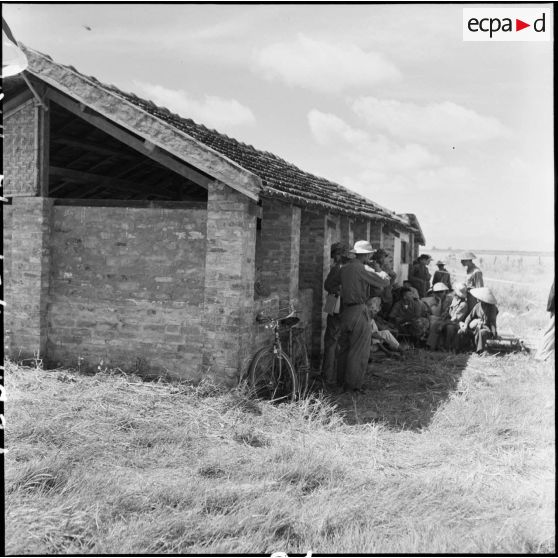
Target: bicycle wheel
{"points": [[271, 376], [301, 364]]}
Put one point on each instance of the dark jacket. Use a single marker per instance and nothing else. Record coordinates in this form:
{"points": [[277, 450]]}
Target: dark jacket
{"points": [[355, 282]]}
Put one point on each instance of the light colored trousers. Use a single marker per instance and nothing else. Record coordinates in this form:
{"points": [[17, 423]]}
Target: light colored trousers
{"points": [[546, 347], [388, 338]]}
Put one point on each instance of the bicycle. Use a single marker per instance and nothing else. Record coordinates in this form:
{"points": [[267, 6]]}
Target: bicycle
{"points": [[275, 373]]}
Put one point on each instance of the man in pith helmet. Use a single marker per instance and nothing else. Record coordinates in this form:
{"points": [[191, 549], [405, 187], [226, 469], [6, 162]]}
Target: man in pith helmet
{"points": [[438, 304], [442, 275], [354, 339]]}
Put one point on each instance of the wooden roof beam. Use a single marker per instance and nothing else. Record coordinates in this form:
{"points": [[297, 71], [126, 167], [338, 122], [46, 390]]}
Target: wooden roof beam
{"points": [[82, 177], [127, 138], [91, 146]]}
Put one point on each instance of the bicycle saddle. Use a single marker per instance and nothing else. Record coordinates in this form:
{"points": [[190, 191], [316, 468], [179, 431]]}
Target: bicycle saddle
{"points": [[289, 321]]}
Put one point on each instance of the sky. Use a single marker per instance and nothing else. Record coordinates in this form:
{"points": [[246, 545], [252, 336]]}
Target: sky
{"points": [[387, 100]]}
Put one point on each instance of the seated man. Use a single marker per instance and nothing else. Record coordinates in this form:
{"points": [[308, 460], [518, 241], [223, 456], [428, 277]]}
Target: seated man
{"points": [[458, 311], [381, 339], [481, 322], [410, 316], [438, 304], [408, 285]]}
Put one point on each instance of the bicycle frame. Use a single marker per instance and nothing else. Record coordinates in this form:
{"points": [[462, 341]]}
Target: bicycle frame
{"points": [[288, 348]]}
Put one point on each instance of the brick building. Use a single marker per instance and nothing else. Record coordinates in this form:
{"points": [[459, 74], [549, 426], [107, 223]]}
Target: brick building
{"points": [[135, 238]]}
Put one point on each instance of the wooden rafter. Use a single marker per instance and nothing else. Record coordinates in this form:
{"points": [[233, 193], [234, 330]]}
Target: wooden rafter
{"points": [[128, 139], [87, 192], [123, 171], [91, 146], [82, 177], [58, 187]]}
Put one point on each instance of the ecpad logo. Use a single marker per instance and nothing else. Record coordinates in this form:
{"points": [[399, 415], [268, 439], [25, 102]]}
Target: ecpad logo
{"points": [[507, 24]]}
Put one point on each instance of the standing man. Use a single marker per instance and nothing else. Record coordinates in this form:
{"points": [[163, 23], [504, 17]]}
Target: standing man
{"points": [[340, 255], [355, 335], [419, 275], [442, 275], [547, 344], [474, 278]]}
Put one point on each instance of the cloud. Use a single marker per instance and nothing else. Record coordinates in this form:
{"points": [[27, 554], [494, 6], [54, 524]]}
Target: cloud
{"points": [[327, 128], [323, 66], [378, 154], [212, 111], [443, 123]]}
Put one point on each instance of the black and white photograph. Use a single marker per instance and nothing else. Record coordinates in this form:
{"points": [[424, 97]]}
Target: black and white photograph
{"points": [[278, 278]]}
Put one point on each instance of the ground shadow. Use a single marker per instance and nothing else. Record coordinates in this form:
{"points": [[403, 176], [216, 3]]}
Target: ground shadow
{"points": [[404, 394]]}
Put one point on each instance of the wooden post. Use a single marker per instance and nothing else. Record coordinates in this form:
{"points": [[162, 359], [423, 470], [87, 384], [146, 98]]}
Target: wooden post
{"points": [[43, 147]]}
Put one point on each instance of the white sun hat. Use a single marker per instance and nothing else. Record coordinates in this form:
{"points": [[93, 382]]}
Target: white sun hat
{"points": [[362, 247], [437, 287], [460, 288]]}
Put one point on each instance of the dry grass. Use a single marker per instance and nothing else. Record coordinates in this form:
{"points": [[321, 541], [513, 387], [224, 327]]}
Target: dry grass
{"points": [[454, 456]]}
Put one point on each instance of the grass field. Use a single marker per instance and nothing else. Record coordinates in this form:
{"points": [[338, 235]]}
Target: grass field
{"points": [[442, 454]]}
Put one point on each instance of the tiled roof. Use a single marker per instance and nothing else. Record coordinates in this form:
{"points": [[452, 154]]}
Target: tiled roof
{"points": [[280, 179], [411, 218]]}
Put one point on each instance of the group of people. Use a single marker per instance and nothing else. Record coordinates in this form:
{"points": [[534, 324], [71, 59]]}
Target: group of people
{"points": [[368, 312]]}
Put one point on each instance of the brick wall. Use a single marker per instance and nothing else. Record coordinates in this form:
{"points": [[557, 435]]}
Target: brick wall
{"points": [[21, 150], [27, 225], [126, 288], [278, 249], [361, 230], [314, 266], [229, 315], [346, 230], [388, 243], [376, 235]]}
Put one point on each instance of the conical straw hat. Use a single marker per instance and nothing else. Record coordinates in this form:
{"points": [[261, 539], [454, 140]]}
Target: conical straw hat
{"points": [[484, 294]]}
